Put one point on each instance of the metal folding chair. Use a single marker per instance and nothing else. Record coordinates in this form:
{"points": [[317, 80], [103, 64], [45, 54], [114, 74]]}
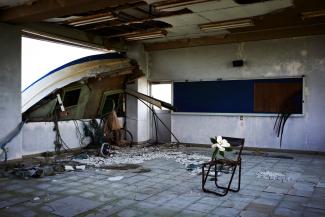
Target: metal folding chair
{"points": [[231, 163]]}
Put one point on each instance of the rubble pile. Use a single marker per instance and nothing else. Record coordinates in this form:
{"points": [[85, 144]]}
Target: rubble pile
{"points": [[136, 156], [276, 176]]}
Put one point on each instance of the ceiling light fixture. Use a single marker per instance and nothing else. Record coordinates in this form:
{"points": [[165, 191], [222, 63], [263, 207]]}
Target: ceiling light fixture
{"points": [[146, 35], [313, 14], [226, 25], [176, 3], [98, 18]]}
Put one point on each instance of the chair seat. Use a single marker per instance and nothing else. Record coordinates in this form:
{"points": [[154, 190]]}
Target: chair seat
{"points": [[226, 162]]}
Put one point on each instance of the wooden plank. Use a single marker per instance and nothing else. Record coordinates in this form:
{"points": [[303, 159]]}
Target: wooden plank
{"points": [[275, 97], [45, 9], [151, 100], [264, 34]]}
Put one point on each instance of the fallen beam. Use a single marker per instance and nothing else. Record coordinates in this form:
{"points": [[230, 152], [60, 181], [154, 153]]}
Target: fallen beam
{"points": [[149, 99]]}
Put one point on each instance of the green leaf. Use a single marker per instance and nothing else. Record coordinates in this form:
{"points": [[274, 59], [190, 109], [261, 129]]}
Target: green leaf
{"points": [[222, 153], [228, 149], [213, 140], [214, 154]]}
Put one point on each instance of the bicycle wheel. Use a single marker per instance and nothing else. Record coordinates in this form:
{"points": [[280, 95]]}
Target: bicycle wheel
{"points": [[127, 136]]}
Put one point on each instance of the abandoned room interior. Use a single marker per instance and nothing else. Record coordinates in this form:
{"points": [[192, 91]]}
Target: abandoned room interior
{"points": [[183, 108]]}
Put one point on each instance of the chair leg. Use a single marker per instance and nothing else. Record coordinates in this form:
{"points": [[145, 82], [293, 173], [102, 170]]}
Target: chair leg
{"points": [[205, 177], [228, 188]]}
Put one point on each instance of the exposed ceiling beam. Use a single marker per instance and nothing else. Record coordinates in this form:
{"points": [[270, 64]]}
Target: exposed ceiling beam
{"points": [[137, 32], [142, 20], [71, 36], [274, 33], [169, 4], [45, 9]]}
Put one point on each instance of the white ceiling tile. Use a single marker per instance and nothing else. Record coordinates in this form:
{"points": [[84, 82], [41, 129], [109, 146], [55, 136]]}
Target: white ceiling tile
{"points": [[225, 14], [267, 7], [184, 20], [183, 30], [198, 34], [244, 11], [214, 5]]}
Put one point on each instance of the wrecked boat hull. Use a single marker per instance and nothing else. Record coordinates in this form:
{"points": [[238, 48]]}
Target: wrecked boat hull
{"points": [[82, 85], [77, 70]]}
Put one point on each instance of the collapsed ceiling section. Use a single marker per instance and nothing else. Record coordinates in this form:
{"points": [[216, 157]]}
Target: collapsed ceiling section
{"points": [[157, 21]]}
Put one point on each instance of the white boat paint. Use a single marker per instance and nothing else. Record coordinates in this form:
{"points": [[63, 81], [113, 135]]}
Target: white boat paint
{"points": [[68, 74]]}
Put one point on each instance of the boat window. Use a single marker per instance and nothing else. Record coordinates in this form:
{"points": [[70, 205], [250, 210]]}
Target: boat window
{"points": [[71, 97], [114, 102], [109, 105]]}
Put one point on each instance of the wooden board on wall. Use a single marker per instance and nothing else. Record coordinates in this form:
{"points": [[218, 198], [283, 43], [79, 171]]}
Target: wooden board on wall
{"points": [[275, 96]]}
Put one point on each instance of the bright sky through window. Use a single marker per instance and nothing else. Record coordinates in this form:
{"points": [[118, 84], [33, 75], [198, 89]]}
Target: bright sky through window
{"points": [[162, 92], [40, 57]]}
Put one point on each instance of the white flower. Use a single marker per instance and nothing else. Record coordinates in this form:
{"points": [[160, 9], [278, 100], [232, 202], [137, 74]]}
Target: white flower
{"points": [[221, 144], [219, 139], [224, 143], [220, 147]]}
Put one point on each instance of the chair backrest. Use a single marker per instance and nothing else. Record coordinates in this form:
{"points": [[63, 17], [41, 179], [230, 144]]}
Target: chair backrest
{"points": [[236, 142]]}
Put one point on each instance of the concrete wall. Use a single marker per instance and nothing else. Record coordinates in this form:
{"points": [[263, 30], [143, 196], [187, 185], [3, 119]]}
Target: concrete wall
{"points": [[163, 133], [39, 137], [264, 59], [10, 81], [138, 113]]}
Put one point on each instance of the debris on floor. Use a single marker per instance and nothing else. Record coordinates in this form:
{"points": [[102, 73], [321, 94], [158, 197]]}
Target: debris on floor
{"points": [[81, 167], [264, 154], [268, 175], [68, 168], [36, 198], [32, 169], [115, 178], [192, 161], [134, 168]]}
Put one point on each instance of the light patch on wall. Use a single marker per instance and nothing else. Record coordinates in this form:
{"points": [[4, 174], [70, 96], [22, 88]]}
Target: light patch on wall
{"points": [[270, 74], [275, 71], [277, 68], [303, 53], [246, 73], [240, 51], [306, 91], [293, 68]]}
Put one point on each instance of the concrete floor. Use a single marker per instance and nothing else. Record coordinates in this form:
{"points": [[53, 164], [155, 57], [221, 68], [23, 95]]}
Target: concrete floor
{"points": [[169, 190]]}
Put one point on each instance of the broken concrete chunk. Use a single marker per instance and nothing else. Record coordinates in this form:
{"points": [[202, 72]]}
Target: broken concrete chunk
{"points": [[81, 167], [68, 168], [115, 178]]}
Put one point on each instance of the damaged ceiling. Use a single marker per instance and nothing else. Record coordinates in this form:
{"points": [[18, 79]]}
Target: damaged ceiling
{"points": [[164, 24]]}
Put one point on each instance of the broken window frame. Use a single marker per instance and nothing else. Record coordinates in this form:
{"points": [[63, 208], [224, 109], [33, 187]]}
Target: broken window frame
{"points": [[69, 89], [103, 100]]}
